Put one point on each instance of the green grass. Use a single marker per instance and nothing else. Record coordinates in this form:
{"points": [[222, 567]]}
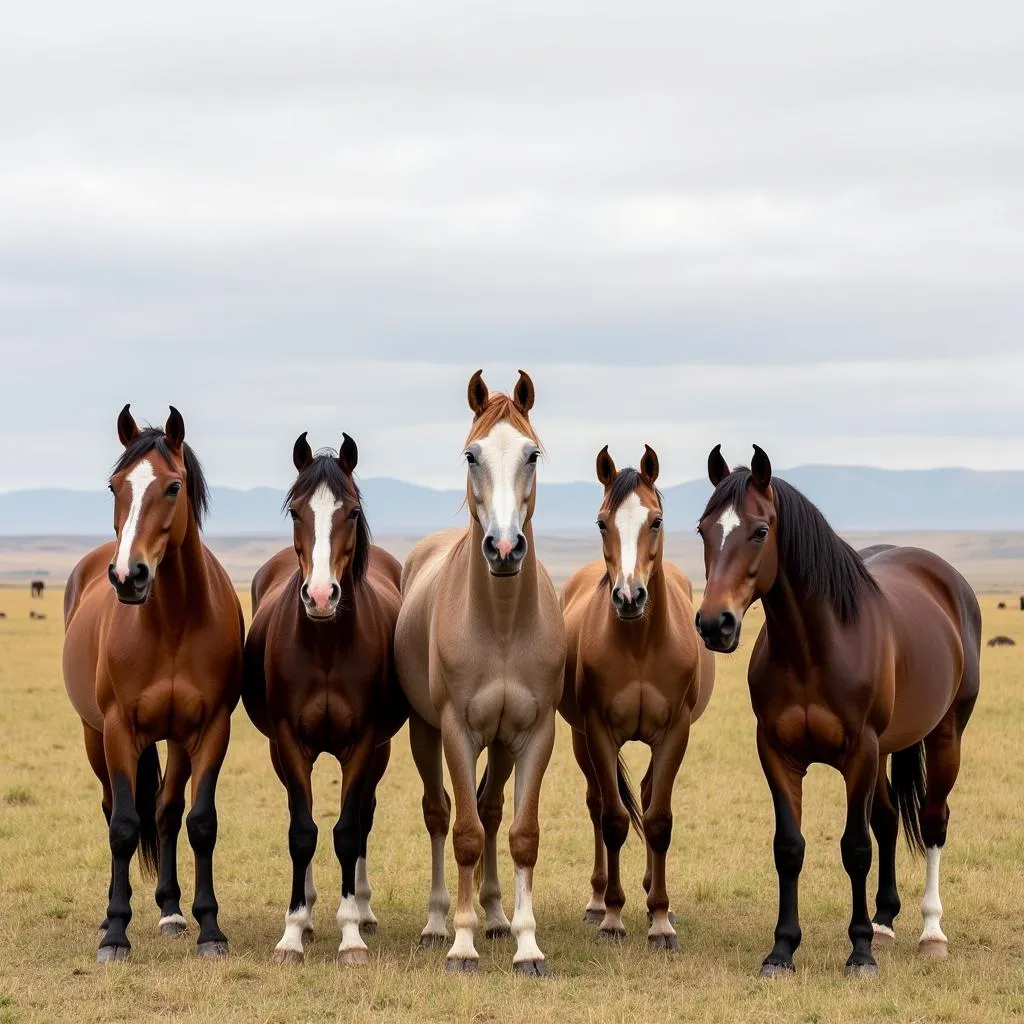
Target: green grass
{"points": [[55, 863]]}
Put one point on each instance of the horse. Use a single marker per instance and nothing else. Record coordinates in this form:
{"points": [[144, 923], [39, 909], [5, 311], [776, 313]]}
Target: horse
{"points": [[36, 588], [153, 651], [634, 670], [860, 659], [481, 651], [320, 678]]}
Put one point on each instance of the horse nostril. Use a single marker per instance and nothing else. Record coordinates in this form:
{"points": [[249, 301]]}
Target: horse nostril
{"points": [[699, 625], [519, 551], [140, 574], [727, 623], [112, 574], [335, 592], [640, 596], [304, 593], [617, 596], [490, 548]]}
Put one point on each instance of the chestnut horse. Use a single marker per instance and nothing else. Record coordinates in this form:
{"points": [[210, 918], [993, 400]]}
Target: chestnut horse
{"points": [[859, 658], [634, 670], [481, 651], [320, 678], [153, 651]]}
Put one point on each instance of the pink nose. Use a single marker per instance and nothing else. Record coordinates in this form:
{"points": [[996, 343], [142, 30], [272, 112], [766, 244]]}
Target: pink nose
{"points": [[122, 575], [321, 595], [505, 548]]}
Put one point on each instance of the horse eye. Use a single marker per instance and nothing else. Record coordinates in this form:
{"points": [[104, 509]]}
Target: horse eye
{"points": [[533, 457], [174, 490], [759, 534], [656, 525], [294, 515], [110, 487], [602, 526], [471, 458], [354, 514]]}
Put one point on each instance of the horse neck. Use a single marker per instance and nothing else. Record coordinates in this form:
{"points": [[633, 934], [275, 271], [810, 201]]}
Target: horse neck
{"points": [[799, 630], [181, 586], [505, 600]]}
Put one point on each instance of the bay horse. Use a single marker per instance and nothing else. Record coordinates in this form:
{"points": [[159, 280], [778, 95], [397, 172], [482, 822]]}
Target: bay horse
{"points": [[153, 651], [861, 658], [634, 670], [320, 678], [481, 650]]}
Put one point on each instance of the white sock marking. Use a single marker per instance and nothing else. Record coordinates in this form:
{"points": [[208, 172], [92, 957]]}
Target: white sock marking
{"points": [[438, 902], [348, 922], [364, 893], [172, 919], [524, 925], [660, 925], [295, 923], [931, 905], [139, 480], [728, 521], [629, 519]]}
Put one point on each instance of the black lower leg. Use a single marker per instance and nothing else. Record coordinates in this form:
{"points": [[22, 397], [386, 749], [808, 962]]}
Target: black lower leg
{"points": [[302, 836], [202, 836], [348, 841], [856, 850], [885, 825], [168, 891], [124, 840], [788, 847]]}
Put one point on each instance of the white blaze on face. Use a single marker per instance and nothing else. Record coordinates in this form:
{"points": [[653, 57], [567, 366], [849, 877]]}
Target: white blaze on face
{"points": [[323, 505], [728, 521], [501, 454], [629, 520], [138, 480]]}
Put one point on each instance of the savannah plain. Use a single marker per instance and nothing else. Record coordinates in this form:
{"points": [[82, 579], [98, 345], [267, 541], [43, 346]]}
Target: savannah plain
{"points": [[54, 864]]}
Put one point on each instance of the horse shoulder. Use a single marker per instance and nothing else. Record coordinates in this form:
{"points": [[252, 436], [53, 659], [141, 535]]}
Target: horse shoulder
{"points": [[271, 574], [90, 571]]}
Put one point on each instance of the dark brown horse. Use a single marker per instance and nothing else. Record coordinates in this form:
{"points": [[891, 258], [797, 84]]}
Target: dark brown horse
{"points": [[860, 659], [320, 678], [37, 587], [153, 651], [635, 670]]}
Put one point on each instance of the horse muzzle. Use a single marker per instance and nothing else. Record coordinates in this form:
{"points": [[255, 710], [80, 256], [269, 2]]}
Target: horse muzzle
{"points": [[504, 558], [720, 633], [136, 585]]}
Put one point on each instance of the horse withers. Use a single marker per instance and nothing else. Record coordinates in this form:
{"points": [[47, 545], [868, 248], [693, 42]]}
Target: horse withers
{"points": [[320, 678], [481, 652], [860, 659], [635, 670], [153, 651]]}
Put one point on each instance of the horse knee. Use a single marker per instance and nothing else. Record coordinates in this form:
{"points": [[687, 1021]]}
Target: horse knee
{"points": [[437, 815], [346, 842], [789, 853], [169, 815], [934, 825], [614, 827], [658, 830], [490, 815], [856, 851], [125, 828], [468, 842], [594, 807], [202, 828], [523, 841]]}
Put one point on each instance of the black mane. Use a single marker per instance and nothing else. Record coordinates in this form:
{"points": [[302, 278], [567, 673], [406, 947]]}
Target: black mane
{"points": [[326, 470], [816, 560], [153, 438]]}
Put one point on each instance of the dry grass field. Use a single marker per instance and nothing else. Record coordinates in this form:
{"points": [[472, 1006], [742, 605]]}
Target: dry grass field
{"points": [[54, 871]]}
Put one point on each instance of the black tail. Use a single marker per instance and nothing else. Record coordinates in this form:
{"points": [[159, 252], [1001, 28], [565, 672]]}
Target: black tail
{"points": [[147, 785], [908, 784], [628, 797]]}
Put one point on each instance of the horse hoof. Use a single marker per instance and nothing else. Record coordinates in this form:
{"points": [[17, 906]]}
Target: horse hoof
{"points": [[501, 931], [461, 965], [531, 968], [172, 929], [354, 957], [367, 927], [862, 970], [308, 935], [433, 941], [671, 918], [935, 949], [669, 942], [773, 970], [611, 935], [112, 954], [289, 957], [593, 916], [884, 938], [213, 950]]}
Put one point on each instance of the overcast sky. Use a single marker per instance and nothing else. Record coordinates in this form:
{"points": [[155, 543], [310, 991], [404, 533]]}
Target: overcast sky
{"points": [[797, 223]]}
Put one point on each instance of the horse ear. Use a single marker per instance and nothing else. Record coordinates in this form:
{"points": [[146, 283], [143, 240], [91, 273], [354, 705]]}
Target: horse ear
{"points": [[760, 469], [348, 456], [478, 393], [302, 454], [606, 471], [127, 428], [649, 466], [174, 429], [718, 468], [524, 394]]}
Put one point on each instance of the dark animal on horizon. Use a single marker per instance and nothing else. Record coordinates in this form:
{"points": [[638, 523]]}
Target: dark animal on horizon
{"points": [[1001, 606], [1002, 641], [36, 615], [320, 678], [860, 660], [153, 651], [36, 588], [635, 670]]}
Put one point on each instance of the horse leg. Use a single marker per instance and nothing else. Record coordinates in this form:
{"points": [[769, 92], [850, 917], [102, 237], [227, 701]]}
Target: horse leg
{"points": [[885, 823], [170, 807], [425, 742], [378, 765], [604, 752], [308, 935], [347, 841], [666, 757], [524, 838], [594, 914], [207, 757], [785, 781], [490, 802], [860, 774], [98, 763], [468, 838], [646, 784], [295, 768], [122, 759]]}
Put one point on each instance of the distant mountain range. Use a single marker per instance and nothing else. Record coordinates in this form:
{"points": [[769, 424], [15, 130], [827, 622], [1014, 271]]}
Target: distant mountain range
{"points": [[852, 498]]}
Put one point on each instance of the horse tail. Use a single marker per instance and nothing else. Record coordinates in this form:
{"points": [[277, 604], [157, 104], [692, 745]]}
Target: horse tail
{"points": [[908, 784], [628, 796], [147, 785], [478, 871]]}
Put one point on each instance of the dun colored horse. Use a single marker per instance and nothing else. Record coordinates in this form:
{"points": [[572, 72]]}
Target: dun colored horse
{"points": [[635, 670], [320, 678], [153, 651], [860, 659], [481, 651]]}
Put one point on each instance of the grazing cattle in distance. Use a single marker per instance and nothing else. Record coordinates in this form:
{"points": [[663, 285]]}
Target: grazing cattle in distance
{"points": [[36, 588], [1002, 641]]}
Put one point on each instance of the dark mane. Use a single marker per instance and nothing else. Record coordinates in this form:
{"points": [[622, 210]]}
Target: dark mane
{"points": [[816, 560], [153, 438], [625, 483], [326, 470]]}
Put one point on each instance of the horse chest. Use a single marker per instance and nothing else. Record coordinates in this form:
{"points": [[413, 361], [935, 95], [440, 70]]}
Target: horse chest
{"points": [[637, 711], [502, 708]]}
